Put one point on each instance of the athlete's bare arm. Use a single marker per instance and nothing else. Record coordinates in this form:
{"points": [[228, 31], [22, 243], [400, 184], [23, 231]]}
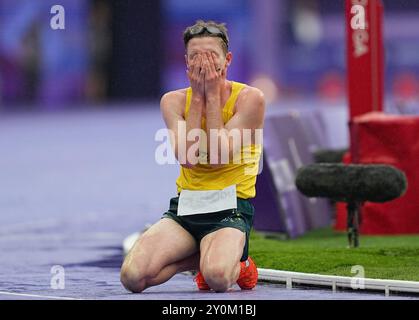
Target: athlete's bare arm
{"points": [[249, 112], [172, 107]]}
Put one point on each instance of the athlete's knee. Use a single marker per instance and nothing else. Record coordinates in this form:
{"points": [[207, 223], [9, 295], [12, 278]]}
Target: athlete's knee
{"points": [[134, 278], [217, 276]]}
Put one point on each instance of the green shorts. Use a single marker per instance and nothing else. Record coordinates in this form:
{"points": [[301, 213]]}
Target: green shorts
{"points": [[199, 225]]}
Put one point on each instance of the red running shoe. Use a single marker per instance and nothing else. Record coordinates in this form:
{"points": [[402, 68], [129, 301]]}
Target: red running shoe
{"points": [[200, 282], [248, 275]]}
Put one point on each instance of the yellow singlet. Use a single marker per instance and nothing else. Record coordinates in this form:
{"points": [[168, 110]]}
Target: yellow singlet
{"points": [[243, 175]]}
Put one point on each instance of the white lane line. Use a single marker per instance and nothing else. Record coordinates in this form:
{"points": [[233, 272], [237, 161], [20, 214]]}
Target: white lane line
{"points": [[36, 296], [338, 281]]}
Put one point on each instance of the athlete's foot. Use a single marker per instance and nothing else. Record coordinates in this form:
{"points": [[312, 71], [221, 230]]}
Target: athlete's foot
{"points": [[200, 282], [248, 275]]}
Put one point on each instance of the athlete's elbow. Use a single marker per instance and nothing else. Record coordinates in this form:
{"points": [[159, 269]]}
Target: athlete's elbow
{"points": [[183, 160], [187, 165]]}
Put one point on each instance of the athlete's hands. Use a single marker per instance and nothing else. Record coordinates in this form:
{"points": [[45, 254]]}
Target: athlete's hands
{"points": [[213, 75], [196, 75]]}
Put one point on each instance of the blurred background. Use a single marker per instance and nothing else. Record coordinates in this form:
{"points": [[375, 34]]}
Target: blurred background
{"points": [[132, 51], [79, 107], [79, 113]]}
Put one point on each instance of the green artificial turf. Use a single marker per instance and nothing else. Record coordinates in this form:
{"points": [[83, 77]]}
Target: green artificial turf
{"points": [[325, 252]]}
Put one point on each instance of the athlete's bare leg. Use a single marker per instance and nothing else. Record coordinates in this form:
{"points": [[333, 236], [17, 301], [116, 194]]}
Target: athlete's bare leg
{"points": [[162, 251], [220, 257]]}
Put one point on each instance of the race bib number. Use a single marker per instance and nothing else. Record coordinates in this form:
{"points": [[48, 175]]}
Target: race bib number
{"points": [[206, 201]]}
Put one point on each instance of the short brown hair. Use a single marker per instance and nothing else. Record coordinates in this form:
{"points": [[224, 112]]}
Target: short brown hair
{"points": [[201, 24]]}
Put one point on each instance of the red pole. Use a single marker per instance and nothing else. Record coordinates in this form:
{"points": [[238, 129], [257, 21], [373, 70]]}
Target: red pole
{"points": [[365, 72], [365, 54]]}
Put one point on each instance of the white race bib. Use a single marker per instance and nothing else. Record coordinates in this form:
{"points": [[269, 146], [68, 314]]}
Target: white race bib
{"points": [[199, 202]]}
